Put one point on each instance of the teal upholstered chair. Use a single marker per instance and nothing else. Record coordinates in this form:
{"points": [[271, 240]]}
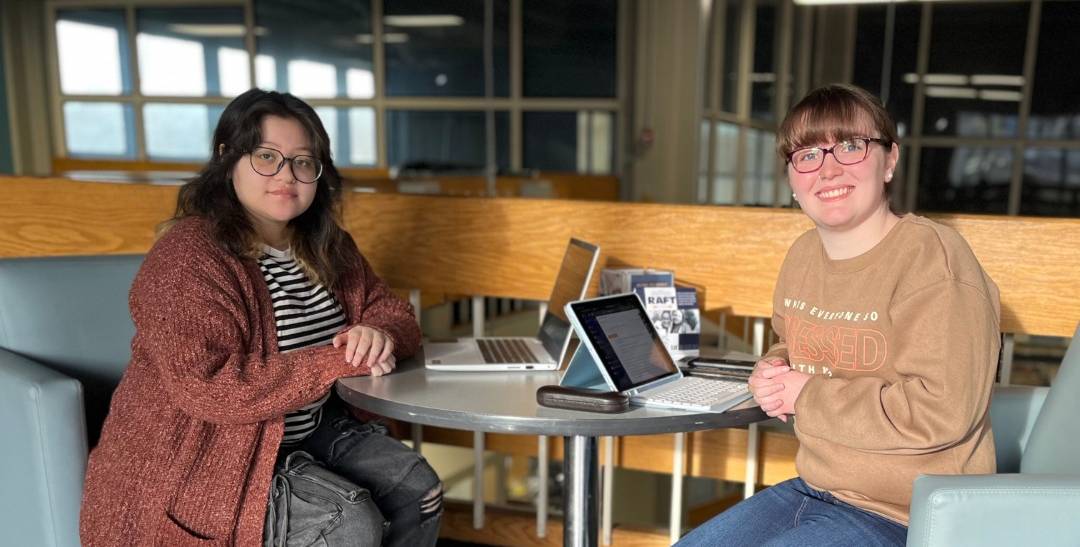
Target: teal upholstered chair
{"points": [[1035, 497], [65, 338]]}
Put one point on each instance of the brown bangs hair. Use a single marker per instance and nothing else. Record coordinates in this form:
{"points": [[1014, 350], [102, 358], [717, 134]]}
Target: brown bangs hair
{"points": [[317, 241], [834, 112]]}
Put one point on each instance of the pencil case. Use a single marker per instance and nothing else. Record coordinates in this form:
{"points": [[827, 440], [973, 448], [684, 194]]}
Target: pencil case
{"points": [[573, 398]]}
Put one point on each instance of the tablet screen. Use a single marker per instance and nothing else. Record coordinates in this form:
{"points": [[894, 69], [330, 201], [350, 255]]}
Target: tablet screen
{"points": [[625, 340]]}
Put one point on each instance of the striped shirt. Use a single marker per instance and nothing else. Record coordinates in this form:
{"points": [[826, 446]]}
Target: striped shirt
{"points": [[307, 315]]}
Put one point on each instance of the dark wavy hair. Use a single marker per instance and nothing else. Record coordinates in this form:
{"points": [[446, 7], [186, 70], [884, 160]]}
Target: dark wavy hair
{"points": [[317, 238]]}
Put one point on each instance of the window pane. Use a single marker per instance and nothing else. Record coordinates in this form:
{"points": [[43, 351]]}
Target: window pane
{"points": [[328, 115], [578, 142], [799, 71], [870, 33], [92, 47], [758, 184], [436, 48], [312, 79], [98, 129], [569, 48], [725, 141], [763, 78], [436, 140], [1055, 103], [180, 51], [965, 179], [1051, 182], [974, 79], [179, 131], [730, 70], [328, 55], [352, 134], [362, 149], [234, 71], [712, 62], [703, 160], [896, 89]]}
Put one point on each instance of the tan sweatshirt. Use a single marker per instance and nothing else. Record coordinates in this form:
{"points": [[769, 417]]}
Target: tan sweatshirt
{"points": [[902, 342]]}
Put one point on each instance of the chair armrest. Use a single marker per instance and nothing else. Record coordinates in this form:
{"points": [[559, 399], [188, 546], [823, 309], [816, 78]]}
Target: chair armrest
{"points": [[42, 455], [991, 510], [1013, 410]]}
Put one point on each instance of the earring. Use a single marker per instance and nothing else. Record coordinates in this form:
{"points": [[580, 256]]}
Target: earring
{"points": [[888, 176], [794, 197]]}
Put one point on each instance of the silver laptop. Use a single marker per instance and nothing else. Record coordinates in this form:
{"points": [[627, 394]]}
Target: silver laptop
{"points": [[631, 357], [545, 351]]}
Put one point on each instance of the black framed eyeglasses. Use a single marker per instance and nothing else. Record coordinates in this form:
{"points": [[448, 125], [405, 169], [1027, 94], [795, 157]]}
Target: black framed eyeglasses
{"points": [[268, 162], [849, 152]]}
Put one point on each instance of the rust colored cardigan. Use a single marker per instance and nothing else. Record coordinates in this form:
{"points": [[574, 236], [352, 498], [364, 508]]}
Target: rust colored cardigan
{"points": [[188, 449]]}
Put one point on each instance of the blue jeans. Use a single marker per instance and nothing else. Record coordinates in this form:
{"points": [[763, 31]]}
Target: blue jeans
{"points": [[792, 513], [350, 484]]}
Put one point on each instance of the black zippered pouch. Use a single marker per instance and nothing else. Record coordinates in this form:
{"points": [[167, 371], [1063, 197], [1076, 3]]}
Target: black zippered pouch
{"points": [[575, 398]]}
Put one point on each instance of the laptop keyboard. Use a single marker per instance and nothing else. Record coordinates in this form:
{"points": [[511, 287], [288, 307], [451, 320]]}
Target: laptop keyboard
{"points": [[506, 350], [697, 393]]}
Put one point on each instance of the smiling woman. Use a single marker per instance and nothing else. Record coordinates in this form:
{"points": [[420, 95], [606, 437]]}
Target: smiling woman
{"points": [[911, 332]]}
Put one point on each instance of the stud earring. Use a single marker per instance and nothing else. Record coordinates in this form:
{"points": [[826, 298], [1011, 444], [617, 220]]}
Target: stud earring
{"points": [[888, 176], [794, 197]]}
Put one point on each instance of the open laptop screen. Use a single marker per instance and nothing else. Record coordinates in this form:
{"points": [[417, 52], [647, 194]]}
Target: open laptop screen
{"points": [[570, 284], [625, 340]]}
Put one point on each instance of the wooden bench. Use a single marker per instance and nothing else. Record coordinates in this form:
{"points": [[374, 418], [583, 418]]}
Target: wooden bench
{"points": [[478, 246]]}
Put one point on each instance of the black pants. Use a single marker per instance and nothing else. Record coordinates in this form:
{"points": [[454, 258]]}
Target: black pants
{"points": [[349, 484]]}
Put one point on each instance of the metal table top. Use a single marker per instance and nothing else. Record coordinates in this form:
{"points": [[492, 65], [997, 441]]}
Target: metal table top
{"points": [[505, 402]]}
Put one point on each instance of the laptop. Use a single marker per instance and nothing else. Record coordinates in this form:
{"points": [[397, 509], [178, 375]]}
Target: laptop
{"points": [[546, 350], [632, 359]]}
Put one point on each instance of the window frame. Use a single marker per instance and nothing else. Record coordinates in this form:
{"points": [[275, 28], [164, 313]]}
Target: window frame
{"points": [[515, 105]]}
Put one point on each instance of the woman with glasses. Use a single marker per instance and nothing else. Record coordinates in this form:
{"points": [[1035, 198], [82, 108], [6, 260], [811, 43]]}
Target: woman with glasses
{"points": [[888, 343], [253, 301]]}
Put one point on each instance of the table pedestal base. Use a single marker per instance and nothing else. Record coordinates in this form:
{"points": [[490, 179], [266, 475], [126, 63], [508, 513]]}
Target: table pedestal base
{"points": [[580, 500]]}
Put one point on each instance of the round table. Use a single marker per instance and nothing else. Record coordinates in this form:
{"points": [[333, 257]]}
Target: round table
{"points": [[505, 402]]}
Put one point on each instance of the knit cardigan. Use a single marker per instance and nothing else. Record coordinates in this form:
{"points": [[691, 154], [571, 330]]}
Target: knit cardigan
{"points": [[188, 449]]}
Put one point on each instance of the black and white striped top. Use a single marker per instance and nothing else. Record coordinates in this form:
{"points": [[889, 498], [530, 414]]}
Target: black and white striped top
{"points": [[307, 315]]}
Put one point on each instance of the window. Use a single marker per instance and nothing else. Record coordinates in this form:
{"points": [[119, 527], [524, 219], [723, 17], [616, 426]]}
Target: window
{"points": [[329, 55], [436, 48], [725, 143], [436, 140], [180, 49], [570, 141], [885, 56], [98, 129], [1051, 182], [741, 153], [569, 48], [966, 178], [729, 71], [961, 154], [763, 77], [422, 102], [91, 47], [973, 81], [179, 132]]}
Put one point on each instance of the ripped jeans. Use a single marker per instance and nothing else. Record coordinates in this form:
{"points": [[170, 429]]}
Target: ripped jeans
{"points": [[348, 484]]}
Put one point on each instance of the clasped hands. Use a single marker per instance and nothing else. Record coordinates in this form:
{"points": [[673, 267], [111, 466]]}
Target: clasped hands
{"points": [[367, 346], [775, 386]]}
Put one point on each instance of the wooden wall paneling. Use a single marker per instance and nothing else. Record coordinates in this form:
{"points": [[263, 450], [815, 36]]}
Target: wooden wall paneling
{"points": [[512, 247]]}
